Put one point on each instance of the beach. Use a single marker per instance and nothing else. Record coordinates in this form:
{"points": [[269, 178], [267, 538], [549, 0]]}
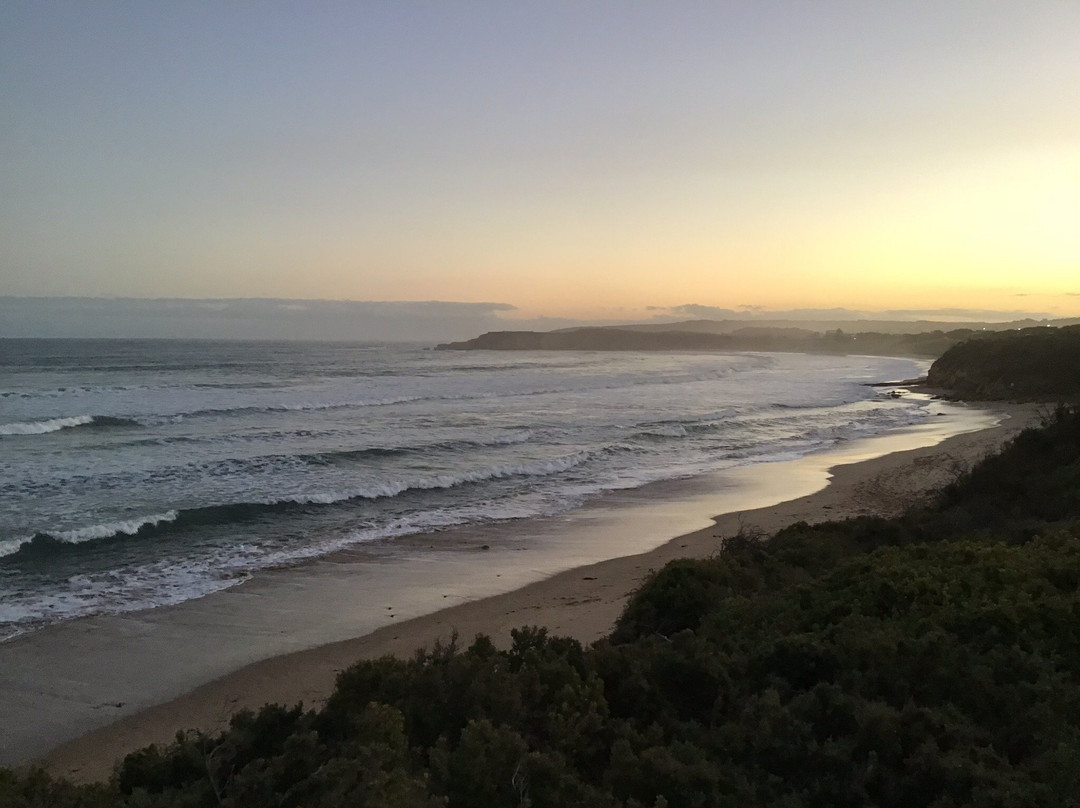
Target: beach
{"points": [[75, 708]]}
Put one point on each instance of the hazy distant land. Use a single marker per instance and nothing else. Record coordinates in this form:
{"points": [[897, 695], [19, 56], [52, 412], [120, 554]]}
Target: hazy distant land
{"points": [[874, 337], [994, 362]]}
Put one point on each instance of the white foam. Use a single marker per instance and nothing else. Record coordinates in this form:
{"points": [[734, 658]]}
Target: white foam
{"points": [[10, 546], [42, 427], [154, 585], [128, 527]]}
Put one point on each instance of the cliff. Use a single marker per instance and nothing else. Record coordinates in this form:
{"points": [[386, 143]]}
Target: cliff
{"points": [[1033, 363]]}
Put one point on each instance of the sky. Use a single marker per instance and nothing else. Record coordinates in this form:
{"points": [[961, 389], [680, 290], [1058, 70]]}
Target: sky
{"points": [[578, 161]]}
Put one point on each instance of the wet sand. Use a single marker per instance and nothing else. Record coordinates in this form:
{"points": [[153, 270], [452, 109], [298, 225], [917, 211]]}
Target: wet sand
{"points": [[78, 696]]}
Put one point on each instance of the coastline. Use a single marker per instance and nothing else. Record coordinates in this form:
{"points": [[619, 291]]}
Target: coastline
{"points": [[876, 475]]}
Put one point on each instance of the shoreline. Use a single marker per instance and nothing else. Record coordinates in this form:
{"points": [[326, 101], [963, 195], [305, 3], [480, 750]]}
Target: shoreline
{"points": [[879, 475]]}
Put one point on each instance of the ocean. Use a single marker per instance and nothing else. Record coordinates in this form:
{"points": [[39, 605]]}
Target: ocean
{"points": [[140, 473]]}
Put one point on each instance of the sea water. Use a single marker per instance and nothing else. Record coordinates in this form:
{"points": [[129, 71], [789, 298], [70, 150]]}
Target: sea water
{"points": [[139, 473]]}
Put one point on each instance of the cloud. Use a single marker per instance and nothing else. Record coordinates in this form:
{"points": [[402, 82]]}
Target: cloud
{"points": [[699, 311]]}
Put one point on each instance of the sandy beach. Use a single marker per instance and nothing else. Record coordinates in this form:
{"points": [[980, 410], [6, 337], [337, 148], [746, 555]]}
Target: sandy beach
{"points": [[73, 708]]}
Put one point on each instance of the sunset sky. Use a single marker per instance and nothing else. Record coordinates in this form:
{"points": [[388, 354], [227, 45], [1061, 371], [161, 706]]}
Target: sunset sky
{"points": [[570, 159]]}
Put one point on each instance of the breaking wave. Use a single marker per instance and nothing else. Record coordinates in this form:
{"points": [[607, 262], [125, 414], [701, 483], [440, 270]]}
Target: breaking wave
{"points": [[44, 544], [56, 424]]}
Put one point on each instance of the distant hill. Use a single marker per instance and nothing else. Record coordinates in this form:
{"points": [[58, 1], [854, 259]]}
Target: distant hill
{"points": [[593, 339], [848, 326], [746, 338], [1035, 363], [875, 337]]}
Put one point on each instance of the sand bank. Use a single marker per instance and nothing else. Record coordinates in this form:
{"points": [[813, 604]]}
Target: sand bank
{"points": [[113, 684]]}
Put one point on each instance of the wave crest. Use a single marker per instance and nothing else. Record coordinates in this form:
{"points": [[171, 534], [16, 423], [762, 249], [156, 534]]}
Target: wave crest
{"points": [[56, 424]]}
